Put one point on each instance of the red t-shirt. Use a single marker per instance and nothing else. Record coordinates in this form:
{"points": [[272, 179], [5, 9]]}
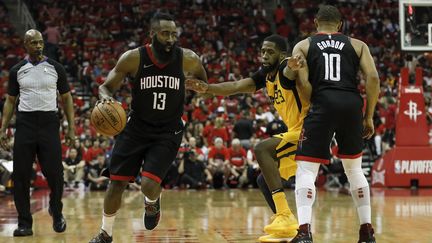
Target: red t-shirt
{"points": [[199, 115], [221, 153], [92, 153], [237, 158], [219, 132]]}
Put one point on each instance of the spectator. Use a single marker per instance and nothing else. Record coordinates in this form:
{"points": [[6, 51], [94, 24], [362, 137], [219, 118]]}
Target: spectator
{"points": [[218, 160], [219, 130], [193, 172], [5, 175], [275, 127], [238, 164], [52, 39], [94, 178], [243, 129], [253, 169], [73, 168], [94, 151], [279, 14], [193, 147]]}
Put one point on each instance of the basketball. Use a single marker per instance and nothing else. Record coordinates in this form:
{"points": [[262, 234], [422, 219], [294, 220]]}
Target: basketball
{"points": [[108, 118]]}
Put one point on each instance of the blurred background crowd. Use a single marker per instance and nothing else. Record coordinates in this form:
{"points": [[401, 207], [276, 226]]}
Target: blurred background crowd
{"points": [[87, 37]]}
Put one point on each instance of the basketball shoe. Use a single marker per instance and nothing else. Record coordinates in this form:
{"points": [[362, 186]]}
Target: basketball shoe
{"points": [[303, 235], [280, 238], [283, 223], [102, 237], [366, 234], [152, 214]]}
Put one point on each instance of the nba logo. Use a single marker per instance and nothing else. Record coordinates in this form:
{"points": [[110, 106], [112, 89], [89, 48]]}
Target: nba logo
{"points": [[397, 166]]}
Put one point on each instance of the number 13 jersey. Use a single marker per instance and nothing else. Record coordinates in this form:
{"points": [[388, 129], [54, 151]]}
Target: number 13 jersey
{"points": [[158, 90], [333, 63]]}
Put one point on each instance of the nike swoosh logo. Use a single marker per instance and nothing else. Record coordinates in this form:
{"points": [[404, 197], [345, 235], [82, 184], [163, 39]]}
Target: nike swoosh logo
{"points": [[26, 71], [147, 66], [177, 132]]}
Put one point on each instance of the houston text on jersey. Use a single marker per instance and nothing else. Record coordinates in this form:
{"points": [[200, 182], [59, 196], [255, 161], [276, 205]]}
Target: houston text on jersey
{"points": [[160, 82]]}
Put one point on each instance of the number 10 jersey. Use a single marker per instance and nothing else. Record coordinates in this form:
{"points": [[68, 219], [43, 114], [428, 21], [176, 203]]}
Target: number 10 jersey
{"points": [[333, 63]]}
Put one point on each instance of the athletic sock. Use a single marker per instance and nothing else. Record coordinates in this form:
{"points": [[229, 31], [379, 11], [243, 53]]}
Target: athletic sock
{"points": [[280, 201], [361, 199], [108, 222]]}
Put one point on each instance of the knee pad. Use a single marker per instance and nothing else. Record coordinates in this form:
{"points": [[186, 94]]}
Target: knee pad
{"points": [[354, 173], [306, 174]]}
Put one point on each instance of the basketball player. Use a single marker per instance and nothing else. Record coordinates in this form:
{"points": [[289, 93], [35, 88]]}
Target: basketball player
{"points": [[291, 100], [154, 130], [336, 107]]}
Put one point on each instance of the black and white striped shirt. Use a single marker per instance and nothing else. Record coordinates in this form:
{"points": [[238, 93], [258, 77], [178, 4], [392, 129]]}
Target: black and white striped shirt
{"points": [[37, 84]]}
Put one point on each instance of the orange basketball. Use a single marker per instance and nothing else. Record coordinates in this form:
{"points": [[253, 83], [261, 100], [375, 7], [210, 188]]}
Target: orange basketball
{"points": [[109, 119]]}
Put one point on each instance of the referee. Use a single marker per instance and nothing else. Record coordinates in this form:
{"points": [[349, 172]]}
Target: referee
{"points": [[34, 82]]}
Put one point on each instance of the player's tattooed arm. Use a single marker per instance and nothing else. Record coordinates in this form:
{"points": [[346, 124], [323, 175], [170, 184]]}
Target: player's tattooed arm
{"points": [[194, 69], [128, 64], [193, 66]]}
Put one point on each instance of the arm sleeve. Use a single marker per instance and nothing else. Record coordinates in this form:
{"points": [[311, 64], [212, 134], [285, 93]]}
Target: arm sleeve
{"points": [[62, 84], [260, 79], [13, 86]]}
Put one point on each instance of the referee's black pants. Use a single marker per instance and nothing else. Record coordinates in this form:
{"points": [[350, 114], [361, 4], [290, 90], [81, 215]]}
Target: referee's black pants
{"points": [[37, 134]]}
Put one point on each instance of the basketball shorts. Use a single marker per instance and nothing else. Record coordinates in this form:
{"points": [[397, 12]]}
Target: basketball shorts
{"points": [[343, 121], [139, 148], [285, 153]]}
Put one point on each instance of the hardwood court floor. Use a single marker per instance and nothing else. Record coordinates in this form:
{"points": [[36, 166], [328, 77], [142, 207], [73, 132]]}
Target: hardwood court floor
{"points": [[224, 216]]}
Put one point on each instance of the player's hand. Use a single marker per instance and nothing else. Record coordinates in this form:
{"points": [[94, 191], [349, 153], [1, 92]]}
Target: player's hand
{"points": [[197, 85], [70, 137], [296, 62], [4, 140], [106, 99], [368, 128]]}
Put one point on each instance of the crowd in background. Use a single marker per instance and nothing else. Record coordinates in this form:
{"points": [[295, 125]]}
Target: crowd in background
{"points": [[88, 36]]}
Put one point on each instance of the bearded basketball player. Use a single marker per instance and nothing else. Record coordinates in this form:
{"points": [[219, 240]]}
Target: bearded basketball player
{"points": [[154, 130]]}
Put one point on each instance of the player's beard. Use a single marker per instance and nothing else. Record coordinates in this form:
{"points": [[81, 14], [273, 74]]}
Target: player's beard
{"points": [[161, 53], [270, 68]]}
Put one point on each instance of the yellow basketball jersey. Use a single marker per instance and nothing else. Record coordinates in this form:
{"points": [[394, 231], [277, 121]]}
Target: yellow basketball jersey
{"points": [[289, 101]]}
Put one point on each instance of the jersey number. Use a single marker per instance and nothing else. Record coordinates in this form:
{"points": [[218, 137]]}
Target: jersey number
{"points": [[332, 66], [159, 101], [278, 97]]}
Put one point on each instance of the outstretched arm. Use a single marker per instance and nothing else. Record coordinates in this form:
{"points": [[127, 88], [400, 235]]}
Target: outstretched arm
{"points": [[246, 85], [198, 82]]}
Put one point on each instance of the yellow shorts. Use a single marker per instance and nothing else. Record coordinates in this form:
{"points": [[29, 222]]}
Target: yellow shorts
{"points": [[285, 153]]}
